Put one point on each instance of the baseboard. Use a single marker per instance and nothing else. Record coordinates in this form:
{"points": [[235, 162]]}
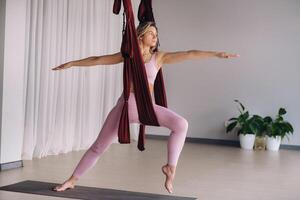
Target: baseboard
{"points": [[11, 165], [234, 143]]}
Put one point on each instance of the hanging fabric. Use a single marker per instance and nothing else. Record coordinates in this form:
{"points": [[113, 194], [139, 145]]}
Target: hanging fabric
{"points": [[134, 69]]}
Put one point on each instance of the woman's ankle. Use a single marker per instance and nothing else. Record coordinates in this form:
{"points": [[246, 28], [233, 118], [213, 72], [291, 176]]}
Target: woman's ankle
{"points": [[73, 179], [171, 166]]}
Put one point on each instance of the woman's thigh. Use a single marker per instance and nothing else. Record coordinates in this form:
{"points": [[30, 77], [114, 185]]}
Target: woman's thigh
{"points": [[132, 109], [165, 116]]}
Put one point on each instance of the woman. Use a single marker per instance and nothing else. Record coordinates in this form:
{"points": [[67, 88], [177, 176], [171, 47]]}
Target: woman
{"points": [[147, 37]]}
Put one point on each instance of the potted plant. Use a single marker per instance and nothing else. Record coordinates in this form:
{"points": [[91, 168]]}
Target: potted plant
{"points": [[260, 138], [277, 129], [247, 127], [258, 126]]}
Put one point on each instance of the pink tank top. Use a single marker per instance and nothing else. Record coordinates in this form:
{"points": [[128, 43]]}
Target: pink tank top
{"points": [[151, 69]]}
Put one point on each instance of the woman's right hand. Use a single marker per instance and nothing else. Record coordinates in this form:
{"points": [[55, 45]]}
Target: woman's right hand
{"points": [[63, 66]]}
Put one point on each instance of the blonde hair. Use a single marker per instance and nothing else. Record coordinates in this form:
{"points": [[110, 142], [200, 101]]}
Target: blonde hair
{"points": [[142, 29]]}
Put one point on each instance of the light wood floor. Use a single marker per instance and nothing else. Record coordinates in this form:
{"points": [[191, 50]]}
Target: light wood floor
{"points": [[205, 171]]}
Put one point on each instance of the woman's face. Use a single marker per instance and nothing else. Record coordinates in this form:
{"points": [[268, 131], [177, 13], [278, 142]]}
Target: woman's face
{"points": [[150, 37]]}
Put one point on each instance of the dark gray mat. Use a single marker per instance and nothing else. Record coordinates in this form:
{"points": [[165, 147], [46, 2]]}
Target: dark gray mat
{"points": [[87, 193]]}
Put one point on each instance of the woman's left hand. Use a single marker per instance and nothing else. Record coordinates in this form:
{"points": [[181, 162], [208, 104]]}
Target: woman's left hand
{"points": [[226, 55]]}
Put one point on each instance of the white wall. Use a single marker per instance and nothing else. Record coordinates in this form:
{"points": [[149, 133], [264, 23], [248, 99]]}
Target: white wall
{"points": [[12, 122], [266, 76], [2, 30]]}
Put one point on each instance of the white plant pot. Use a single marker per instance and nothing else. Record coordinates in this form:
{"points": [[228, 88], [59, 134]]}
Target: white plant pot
{"points": [[273, 143], [247, 141]]}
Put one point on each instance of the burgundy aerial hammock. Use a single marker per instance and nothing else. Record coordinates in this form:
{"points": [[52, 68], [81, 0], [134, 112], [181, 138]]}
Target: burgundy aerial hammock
{"points": [[134, 69]]}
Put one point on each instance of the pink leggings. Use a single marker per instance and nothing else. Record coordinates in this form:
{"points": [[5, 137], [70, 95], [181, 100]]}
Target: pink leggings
{"points": [[109, 132]]}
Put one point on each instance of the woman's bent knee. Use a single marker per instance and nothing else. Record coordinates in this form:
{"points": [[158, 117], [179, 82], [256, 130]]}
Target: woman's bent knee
{"points": [[182, 125]]}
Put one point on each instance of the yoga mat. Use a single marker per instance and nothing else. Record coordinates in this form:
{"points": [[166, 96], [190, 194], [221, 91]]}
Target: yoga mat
{"points": [[87, 193]]}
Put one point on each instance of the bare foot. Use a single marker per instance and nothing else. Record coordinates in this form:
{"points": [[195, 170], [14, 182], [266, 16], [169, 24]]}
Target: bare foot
{"points": [[66, 185], [69, 184], [169, 171]]}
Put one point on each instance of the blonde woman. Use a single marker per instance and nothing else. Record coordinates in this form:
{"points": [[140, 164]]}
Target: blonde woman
{"points": [[154, 60]]}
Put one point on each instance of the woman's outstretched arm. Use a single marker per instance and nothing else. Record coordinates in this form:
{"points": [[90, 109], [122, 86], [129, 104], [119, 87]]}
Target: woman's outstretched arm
{"points": [[93, 60], [179, 56]]}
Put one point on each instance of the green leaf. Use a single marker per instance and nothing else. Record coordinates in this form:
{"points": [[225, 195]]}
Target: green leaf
{"points": [[240, 104], [281, 111], [257, 117], [290, 127], [254, 128], [234, 118], [268, 119], [246, 115], [280, 118], [231, 126]]}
